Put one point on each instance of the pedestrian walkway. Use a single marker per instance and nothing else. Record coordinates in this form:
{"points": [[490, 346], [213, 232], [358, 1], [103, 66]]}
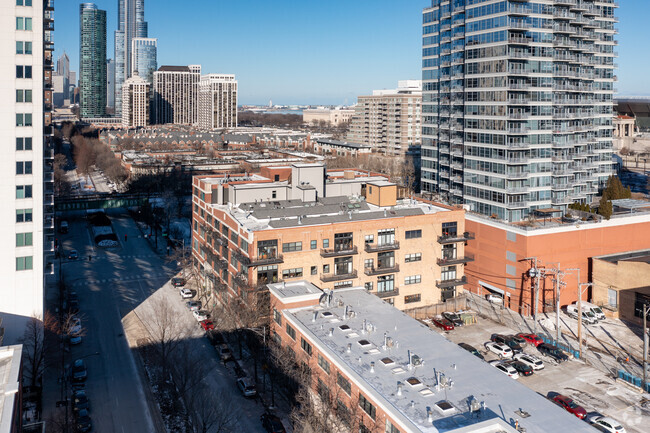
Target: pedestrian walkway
{"points": [[117, 280]]}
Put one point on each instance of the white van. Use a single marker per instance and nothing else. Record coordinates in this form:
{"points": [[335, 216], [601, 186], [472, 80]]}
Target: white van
{"points": [[598, 312], [587, 316]]}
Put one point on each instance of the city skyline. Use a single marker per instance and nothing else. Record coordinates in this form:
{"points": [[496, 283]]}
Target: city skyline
{"points": [[397, 42]]}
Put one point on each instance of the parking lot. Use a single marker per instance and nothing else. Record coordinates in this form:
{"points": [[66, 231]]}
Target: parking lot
{"points": [[591, 388]]}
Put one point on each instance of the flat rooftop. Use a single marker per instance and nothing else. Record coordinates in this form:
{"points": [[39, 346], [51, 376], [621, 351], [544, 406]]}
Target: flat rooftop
{"points": [[295, 290], [642, 256], [372, 344], [10, 361]]}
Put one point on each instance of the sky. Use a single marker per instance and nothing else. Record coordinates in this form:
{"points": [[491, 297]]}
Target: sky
{"points": [[314, 52]]}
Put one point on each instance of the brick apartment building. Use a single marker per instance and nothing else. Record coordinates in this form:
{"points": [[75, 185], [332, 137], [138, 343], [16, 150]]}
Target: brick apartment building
{"points": [[379, 370], [334, 228]]}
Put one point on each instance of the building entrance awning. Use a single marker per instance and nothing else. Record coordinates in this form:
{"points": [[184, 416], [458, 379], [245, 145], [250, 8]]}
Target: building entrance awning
{"points": [[492, 288]]}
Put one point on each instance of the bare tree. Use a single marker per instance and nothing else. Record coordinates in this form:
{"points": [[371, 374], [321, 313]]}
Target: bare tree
{"points": [[35, 347], [167, 332], [212, 412]]}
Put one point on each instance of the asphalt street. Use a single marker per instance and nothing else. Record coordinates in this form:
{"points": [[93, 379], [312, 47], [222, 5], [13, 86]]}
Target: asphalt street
{"points": [[109, 285]]}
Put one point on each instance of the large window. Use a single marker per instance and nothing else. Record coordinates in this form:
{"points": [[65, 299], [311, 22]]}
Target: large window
{"points": [[292, 273], [412, 279], [342, 241], [267, 249], [23, 71], [291, 332], [414, 257], [291, 246], [386, 237], [23, 239], [342, 265], [23, 23], [448, 273], [343, 383], [450, 229], [305, 346], [23, 143], [449, 251], [367, 407], [386, 260], [277, 316], [23, 215], [24, 263], [412, 298], [23, 95], [324, 364], [23, 167], [23, 47], [23, 191], [23, 2], [412, 234], [23, 119], [385, 283]]}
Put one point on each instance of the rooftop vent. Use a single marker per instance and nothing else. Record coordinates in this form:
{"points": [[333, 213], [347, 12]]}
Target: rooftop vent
{"points": [[444, 407]]}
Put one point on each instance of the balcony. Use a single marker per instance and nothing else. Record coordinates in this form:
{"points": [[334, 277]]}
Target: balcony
{"points": [[381, 270], [341, 251], [451, 238], [266, 259], [376, 248], [48, 199], [448, 261], [388, 293], [338, 277], [444, 284]]}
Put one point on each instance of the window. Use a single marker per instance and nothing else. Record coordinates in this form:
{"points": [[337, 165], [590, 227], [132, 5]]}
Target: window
{"points": [[234, 237], [313, 245], [363, 428], [448, 273], [23, 23], [313, 270], [342, 284], [412, 234], [343, 383], [23, 119], [414, 257], [291, 332], [343, 413], [449, 252], [274, 194], [323, 390], [324, 364], [292, 273], [367, 406], [639, 301], [277, 316], [23, 71], [326, 269], [368, 285], [23, 2], [342, 241], [23, 143], [243, 245], [24, 263], [413, 279], [291, 246], [23, 167], [369, 263], [23, 215], [23, 239], [412, 298], [343, 265], [385, 283], [23, 191], [326, 243], [23, 95], [305, 346], [450, 229], [390, 428], [612, 296], [386, 237], [23, 47]]}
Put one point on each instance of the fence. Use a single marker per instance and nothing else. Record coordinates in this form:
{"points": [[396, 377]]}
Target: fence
{"points": [[458, 303], [632, 379], [564, 347]]}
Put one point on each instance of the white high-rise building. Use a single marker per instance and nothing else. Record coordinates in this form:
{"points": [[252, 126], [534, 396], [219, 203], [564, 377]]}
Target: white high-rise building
{"points": [[217, 101], [176, 94], [135, 102], [26, 182]]}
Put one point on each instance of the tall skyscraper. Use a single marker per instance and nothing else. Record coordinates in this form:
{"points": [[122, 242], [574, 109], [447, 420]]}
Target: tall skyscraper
{"points": [[26, 182], [130, 24], [517, 103], [63, 71], [110, 84], [135, 102], [176, 94], [92, 61], [217, 101], [144, 58]]}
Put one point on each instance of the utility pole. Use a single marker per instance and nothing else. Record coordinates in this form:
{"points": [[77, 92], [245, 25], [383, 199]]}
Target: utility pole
{"points": [[559, 286], [533, 272], [646, 310]]}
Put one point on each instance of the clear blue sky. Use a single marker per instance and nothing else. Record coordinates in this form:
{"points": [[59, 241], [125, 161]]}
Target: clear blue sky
{"points": [[314, 52]]}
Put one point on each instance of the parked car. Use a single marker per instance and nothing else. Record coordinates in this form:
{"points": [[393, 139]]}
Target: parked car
{"points": [[507, 341], [471, 349], [200, 315], [495, 299], [80, 401], [79, 373], [73, 255], [607, 424], [595, 309], [271, 423], [187, 293], [532, 361], [207, 325], [442, 323], [247, 387], [193, 305], [453, 318], [74, 325], [587, 316], [74, 339], [532, 339], [522, 368], [553, 352], [224, 353], [178, 281], [506, 369], [519, 340], [501, 350], [570, 406], [84, 423]]}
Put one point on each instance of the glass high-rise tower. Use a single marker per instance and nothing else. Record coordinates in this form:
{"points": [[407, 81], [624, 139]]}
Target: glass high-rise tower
{"points": [[130, 24], [517, 103], [92, 61]]}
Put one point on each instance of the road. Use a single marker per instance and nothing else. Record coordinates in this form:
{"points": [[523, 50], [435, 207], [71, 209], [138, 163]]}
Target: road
{"points": [[109, 286]]}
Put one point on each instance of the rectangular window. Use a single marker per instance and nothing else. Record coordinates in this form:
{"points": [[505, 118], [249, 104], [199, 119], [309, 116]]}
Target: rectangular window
{"points": [[369, 239], [23, 143], [23, 95], [23, 215], [291, 332], [369, 263], [313, 245], [343, 413], [612, 297], [413, 279], [448, 273], [314, 270], [368, 285], [412, 234], [23, 167], [23, 191], [414, 257], [23, 71], [23, 2], [412, 298], [20, 23], [326, 269], [23, 239], [343, 383], [326, 243], [324, 364], [24, 263], [277, 316], [23, 119], [292, 273], [305, 346], [450, 229], [367, 406], [323, 390], [291, 246], [390, 428]]}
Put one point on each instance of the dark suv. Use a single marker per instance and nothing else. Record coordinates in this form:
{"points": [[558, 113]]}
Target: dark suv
{"points": [[553, 352], [508, 341]]}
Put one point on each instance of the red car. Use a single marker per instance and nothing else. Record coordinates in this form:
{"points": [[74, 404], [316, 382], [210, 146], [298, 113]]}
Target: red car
{"points": [[443, 323], [570, 406], [207, 325], [533, 339]]}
